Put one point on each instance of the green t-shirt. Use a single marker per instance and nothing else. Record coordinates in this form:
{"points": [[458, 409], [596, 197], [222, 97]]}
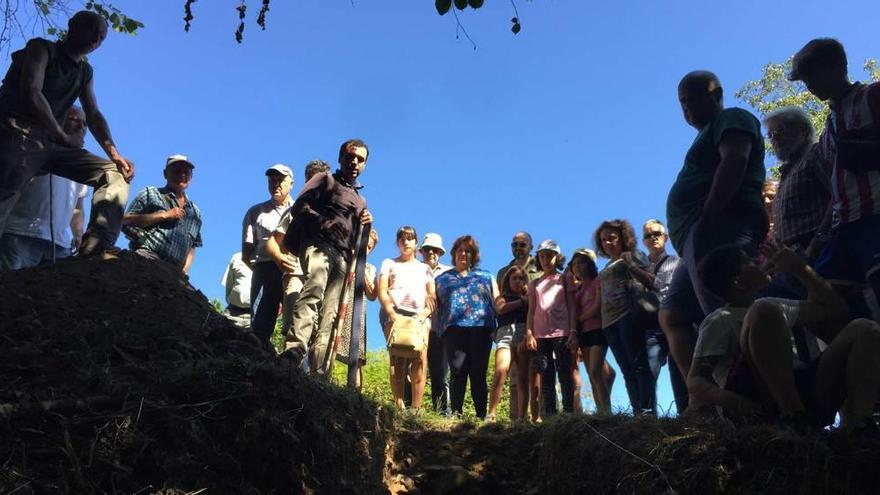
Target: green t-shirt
{"points": [[691, 188]]}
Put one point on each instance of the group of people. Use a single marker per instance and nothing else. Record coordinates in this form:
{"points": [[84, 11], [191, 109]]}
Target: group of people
{"points": [[764, 313]]}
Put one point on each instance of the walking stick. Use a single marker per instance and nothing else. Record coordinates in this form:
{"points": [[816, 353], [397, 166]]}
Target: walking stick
{"points": [[330, 357]]}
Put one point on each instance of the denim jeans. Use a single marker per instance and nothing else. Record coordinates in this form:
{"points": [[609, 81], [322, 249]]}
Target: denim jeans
{"points": [[627, 343], [21, 251], [658, 356], [553, 356], [266, 295]]}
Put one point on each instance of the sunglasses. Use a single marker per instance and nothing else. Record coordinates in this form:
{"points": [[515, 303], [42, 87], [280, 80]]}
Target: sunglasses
{"points": [[519, 244], [653, 235]]}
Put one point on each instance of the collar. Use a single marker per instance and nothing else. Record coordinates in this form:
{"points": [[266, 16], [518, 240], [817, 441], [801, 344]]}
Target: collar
{"points": [[852, 88], [344, 181]]}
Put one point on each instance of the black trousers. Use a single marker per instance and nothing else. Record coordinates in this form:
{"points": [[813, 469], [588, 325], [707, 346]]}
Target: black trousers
{"points": [[468, 349]]}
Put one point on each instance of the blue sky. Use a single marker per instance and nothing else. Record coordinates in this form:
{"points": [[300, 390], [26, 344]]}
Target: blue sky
{"points": [[570, 122]]}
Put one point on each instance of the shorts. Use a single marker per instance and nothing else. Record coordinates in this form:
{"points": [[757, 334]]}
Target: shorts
{"points": [[509, 336], [853, 252], [743, 381], [686, 293], [591, 338]]}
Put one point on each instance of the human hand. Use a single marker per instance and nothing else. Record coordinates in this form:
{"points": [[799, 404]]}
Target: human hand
{"points": [[531, 342], [286, 264], [572, 342], [125, 167], [784, 259], [627, 257], [366, 217], [175, 213]]}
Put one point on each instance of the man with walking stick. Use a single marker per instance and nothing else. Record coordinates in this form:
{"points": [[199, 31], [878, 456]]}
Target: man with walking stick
{"points": [[325, 221]]}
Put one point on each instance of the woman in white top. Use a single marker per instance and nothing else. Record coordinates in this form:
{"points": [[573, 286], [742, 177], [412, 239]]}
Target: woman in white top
{"points": [[406, 288]]}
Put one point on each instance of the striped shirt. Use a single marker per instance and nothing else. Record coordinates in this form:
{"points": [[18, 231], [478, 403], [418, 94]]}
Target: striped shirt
{"points": [[171, 240], [855, 194]]}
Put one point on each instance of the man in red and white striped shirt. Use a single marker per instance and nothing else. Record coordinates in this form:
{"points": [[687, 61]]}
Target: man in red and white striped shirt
{"points": [[851, 144]]}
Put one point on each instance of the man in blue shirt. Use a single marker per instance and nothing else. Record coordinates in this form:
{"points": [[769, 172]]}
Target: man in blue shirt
{"points": [[163, 223]]}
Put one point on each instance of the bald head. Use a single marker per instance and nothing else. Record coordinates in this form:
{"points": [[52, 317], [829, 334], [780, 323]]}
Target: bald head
{"points": [[86, 32], [701, 97]]}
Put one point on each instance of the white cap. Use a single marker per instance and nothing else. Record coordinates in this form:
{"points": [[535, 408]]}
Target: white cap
{"points": [[178, 159], [549, 245], [281, 169]]}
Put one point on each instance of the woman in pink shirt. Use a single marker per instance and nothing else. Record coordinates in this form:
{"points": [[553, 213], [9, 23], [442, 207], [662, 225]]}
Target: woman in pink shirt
{"points": [[585, 320], [547, 330]]}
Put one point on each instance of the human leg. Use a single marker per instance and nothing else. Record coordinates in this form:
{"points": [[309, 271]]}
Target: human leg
{"points": [[544, 364], [438, 369], [849, 370], [266, 296], [624, 361], [563, 360], [479, 349], [292, 286], [766, 341], [521, 362], [574, 360], [595, 369], [417, 374], [108, 199], [19, 251], [321, 346], [397, 370], [316, 267], [23, 154], [455, 343], [634, 340], [502, 364]]}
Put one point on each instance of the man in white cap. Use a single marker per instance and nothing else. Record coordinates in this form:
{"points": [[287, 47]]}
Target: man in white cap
{"points": [[438, 368], [163, 223], [259, 223]]}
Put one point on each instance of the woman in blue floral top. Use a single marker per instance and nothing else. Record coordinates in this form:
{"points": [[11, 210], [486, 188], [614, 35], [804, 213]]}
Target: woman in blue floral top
{"points": [[465, 297]]}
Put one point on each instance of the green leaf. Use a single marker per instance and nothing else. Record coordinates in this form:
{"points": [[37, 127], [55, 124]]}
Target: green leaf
{"points": [[475, 4], [461, 4], [442, 6], [516, 28]]}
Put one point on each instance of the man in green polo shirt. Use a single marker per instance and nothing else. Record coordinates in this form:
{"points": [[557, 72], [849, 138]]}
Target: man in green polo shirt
{"points": [[715, 200], [42, 83]]}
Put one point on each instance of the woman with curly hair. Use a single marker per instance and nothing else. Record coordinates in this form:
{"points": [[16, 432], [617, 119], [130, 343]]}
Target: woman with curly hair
{"points": [[616, 240]]}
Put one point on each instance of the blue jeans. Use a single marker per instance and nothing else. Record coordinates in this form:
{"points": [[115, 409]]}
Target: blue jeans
{"points": [[20, 251], [266, 295], [627, 343], [658, 356]]}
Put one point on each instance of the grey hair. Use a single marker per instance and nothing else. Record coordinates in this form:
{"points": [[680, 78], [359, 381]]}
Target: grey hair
{"points": [[653, 221], [793, 116]]}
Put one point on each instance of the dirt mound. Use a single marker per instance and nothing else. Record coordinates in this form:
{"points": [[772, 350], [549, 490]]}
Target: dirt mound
{"points": [[580, 454], [117, 377]]}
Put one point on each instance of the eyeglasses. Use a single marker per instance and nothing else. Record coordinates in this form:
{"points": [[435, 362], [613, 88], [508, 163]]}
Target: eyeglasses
{"points": [[517, 244], [653, 234], [430, 250]]}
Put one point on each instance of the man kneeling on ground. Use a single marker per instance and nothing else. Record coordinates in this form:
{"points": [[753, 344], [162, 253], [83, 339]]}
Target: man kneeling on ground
{"points": [[743, 360]]}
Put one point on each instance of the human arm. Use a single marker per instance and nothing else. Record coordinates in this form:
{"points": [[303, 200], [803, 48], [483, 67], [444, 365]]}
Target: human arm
{"points": [[430, 298], [371, 287], [77, 222], [139, 214], [189, 259], [531, 343], [704, 390], [734, 147], [638, 271], [820, 238], [595, 307], [824, 311], [99, 128], [33, 72], [276, 250], [385, 300]]}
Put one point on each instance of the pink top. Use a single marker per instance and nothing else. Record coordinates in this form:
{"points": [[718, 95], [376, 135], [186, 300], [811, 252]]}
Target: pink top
{"points": [[584, 297], [551, 312]]}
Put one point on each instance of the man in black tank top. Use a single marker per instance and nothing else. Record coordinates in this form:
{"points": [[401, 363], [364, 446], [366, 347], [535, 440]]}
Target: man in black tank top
{"points": [[44, 80]]}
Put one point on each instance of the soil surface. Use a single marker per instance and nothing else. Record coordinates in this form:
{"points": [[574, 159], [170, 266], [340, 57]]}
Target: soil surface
{"points": [[116, 376]]}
